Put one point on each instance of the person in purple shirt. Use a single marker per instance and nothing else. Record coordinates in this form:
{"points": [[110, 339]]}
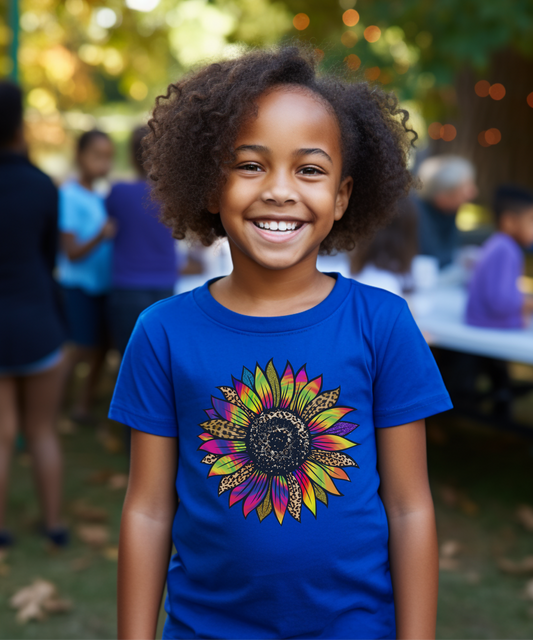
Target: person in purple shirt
{"points": [[495, 300], [144, 259]]}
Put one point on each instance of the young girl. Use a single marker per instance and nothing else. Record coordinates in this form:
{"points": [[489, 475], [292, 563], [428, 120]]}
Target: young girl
{"points": [[294, 395], [84, 264]]}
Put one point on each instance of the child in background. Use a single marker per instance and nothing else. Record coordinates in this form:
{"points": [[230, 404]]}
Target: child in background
{"points": [[495, 300], [385, 262], [282, 388], [84, 264], [144, 252]]}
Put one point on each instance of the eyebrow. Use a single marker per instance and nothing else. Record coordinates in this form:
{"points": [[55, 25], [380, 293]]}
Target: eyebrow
{"points": [[300, 152]]}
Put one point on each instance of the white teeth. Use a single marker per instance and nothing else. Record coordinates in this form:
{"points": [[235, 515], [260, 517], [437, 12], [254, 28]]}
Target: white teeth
{"points": [[281, 226]]}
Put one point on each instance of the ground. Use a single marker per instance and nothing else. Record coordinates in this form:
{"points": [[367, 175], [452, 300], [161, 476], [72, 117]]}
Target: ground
{"points": [[479, 477]]}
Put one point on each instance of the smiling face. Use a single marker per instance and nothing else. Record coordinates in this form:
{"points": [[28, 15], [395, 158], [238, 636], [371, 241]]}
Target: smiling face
{"points": [[284, 191]]}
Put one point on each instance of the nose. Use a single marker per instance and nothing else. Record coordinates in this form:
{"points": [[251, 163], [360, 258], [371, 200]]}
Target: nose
{"points": [[280, 190]]}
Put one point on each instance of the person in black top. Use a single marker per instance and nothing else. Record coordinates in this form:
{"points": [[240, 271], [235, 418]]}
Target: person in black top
{"points": [[31, 326]]}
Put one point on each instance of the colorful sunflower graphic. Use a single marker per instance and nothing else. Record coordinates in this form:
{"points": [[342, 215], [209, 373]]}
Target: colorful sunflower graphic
{"points": [[277, 442]]}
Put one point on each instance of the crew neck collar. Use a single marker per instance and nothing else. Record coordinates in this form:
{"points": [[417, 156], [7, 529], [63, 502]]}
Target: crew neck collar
{"points": [[276, 324]]}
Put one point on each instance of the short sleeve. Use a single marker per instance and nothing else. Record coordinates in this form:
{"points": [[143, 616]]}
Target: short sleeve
{"points": [[407, 384], [69, 220], [144, 395]]}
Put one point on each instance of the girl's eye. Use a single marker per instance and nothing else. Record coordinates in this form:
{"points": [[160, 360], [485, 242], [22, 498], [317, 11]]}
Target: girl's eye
{"points": [[311, 171], [250, 167]]}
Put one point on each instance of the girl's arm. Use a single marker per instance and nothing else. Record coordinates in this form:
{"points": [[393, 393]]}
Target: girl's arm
{"points": [[413, 548], [145, 534], [75, 250]]}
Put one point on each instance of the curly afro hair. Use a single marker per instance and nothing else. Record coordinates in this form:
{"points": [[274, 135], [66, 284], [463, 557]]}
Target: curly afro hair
{"points": [[193, 128]]}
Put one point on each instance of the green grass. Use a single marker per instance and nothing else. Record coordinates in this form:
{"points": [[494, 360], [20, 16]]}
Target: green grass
{"points": [[489, 471]]}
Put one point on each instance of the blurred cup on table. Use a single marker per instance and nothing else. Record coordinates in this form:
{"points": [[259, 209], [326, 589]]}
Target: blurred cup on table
{"points": [[425, 272]]}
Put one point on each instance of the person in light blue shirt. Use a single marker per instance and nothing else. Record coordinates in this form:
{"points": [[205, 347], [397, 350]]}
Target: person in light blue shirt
{"points": [[283, 406], [85, 260]]}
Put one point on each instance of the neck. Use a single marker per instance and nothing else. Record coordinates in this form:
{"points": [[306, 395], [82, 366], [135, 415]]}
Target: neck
{"points": [[252, 289], [86, 181]]}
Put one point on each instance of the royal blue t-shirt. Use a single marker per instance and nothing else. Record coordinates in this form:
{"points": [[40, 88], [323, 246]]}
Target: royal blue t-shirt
{"points": [[280, 531], [144, 255]]}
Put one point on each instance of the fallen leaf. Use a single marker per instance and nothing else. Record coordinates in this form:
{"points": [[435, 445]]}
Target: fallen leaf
{"points": [[448, 564], [529, 590], [521, 567], [36, 600], [80, 564], [88, 513], [118, 481], [94, 535], [110, 553], [101, 476], [450, 549], [524, 514]]}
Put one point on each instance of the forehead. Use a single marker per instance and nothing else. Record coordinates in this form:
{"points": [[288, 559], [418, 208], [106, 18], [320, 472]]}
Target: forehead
{"points": [[292, 116], [100, 144]]}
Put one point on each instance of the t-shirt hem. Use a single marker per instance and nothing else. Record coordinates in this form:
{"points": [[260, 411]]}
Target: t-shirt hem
{"points": [[435, 405], [148, 424]]}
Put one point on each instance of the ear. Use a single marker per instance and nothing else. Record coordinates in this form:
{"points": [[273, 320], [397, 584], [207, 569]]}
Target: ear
{"points": [[213, 205], [343, 197]]}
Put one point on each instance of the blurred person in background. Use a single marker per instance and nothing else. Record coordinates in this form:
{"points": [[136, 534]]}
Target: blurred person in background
{"points": [[85, 262], [31, 326], [494, 299], [144, 255], [448, 182], [386, 261]]}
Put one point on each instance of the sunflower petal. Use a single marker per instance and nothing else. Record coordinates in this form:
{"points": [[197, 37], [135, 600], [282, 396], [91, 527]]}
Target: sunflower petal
{"points": [[273, 379], [308, 393], [295, 498], [308, 494], [342, 428], [331, 443], [236, 478], [211, 414], [333, 458], [248, 397], [265, 508], [263, 388], [320, 494], [223, 429], [231, 396], [326, 419], [320, 403], [280, 496], [299, 384], [248, 377], [287, 387], [230, 412], [209, 458], [205, 436], [228, 464], [242, 490], [318, 474], [337, 472], [256, 495], [223, 447]]}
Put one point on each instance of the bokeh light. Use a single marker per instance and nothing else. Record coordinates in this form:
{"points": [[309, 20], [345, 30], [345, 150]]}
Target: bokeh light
{"points": [[350, 18], [482, 88], [142, 5], [349, 39], [301, 21], [372, 33], [434, 130], [497, 91], [529, 99], [493, 136], [353, 62], [482, 140], [106, 18], [138, 90], [372, 73], [347, 4], [448, 132]]}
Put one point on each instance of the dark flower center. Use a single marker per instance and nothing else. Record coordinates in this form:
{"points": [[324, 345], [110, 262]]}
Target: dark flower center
{"points": [[278, 442]]}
